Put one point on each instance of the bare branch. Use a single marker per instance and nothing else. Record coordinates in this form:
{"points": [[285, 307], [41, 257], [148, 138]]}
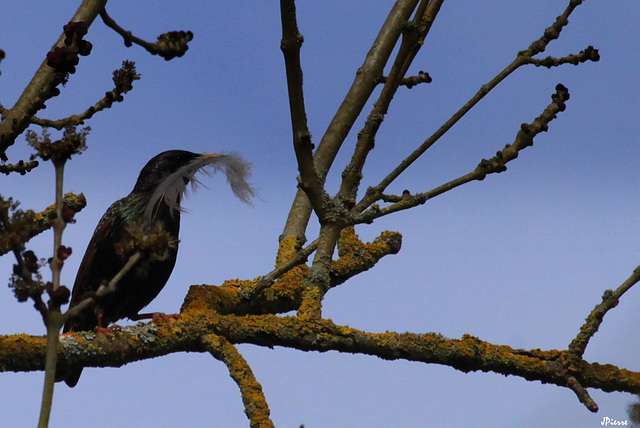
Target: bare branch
{"points": [[496, 164], [365, 82], [589, 54], [103, 290], [169, 45], [413, 38], [123, 79], [43, 84], [412, 81], [290, 45], [523, 57], [610, 300], [552, 32], [582, 394]]}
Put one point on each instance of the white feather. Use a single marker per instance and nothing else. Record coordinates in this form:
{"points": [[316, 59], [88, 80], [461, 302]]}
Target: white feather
{"points": [[173, 188]]}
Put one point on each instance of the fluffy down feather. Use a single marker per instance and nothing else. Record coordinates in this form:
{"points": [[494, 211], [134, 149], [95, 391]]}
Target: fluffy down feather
{"points": [[174, 186]]}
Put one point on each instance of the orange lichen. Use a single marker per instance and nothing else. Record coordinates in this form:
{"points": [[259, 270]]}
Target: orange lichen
{"points": [[348, 241], [357, 256], [220, 299]]}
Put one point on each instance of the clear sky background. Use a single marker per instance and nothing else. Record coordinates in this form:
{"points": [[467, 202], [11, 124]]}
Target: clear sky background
{"points": [[518, 259]]}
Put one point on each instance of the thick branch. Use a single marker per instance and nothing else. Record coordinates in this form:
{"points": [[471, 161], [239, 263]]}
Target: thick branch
{"points": [[357, 256], [143, 341], [262, 296]]}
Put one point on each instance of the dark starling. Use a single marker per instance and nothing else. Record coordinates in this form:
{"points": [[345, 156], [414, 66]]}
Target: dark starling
{"points": [[154, 201]]}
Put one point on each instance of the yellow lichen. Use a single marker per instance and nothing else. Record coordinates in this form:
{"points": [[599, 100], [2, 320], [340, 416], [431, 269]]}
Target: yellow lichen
{"points": [[287, 249]]}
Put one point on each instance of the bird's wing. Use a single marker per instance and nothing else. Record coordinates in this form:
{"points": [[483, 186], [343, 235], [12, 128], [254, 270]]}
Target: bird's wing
{"points": [[92, 269]]}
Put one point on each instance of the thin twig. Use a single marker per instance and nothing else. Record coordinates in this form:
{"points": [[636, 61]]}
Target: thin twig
{"points": [[58, 226], [496, 164], [413, 38], [20, 167], [54, 322], [103, 290], [169, 45], [582, 394], [523, 57], [297, 259], [610, 300], [53, 318], [123, 79], [589, 54], [411, 81]]}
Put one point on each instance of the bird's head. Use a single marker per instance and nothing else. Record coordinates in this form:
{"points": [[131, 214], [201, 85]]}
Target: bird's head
{"points": [[165, 177]]}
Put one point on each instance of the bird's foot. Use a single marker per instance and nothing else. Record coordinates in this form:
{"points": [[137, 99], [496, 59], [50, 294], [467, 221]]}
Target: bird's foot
{"points": [[154, 316], [165, 317], [107, 330]]}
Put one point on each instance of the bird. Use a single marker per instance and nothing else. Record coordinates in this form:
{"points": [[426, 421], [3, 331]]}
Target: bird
{"points": [[152, 205]]}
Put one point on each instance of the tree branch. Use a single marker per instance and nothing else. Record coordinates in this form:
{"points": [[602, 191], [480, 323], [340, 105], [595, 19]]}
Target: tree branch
{"points": [[285, 294], [610, 300], [496, 164], [365, 82], [104, 290], [255, 404], [169, 45], [143, 341], [290, 45], [43, 84], [523, 57], [123, 79], [42, 220], [413, 38], [589, 54]]}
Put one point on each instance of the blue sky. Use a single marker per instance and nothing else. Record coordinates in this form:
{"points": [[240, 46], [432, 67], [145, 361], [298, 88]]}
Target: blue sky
{"points": [[518, 259]]}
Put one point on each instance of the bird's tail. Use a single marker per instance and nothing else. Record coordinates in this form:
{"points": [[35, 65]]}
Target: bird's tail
{"points": [[70, 376]]}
